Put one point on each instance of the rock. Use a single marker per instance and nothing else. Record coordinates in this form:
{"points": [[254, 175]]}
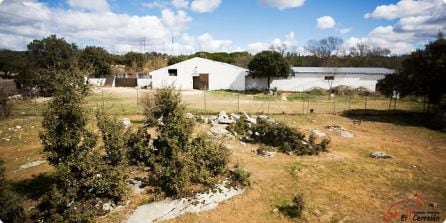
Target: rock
{"points": [[243, 144], [283, 98], [235, 117], [223, 118], [190, 116], [333, 127], [263, 117], [170, 208], [252, 120], [220, 131], [345, 133], [275, 210], [32, 164], [135, 186], [107, 206], [126, 123], [380, 155], [318, 133], [18, 127]]}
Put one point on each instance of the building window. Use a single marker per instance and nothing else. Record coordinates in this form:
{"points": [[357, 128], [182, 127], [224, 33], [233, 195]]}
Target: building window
{"points": [[329, 78], [173, 72]]}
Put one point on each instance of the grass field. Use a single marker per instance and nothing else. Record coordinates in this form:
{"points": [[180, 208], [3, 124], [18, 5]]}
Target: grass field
{"points": [[344, 185]]}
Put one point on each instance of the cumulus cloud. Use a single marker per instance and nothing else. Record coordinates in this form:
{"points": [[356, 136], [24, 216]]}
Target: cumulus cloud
{"points": [[282, 4], [180, 4], [97, 5], [325, 22], [288, 43], [416, 21], [31, 19], [203, 6], [344, 31]]}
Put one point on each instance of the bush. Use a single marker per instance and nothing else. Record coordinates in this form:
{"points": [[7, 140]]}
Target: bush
{"points": [[286, 139], [239, 176], [293, 210], [139, 148], [11, 209], [178, 163], [113, 138], [317, 91], [5, 107]]}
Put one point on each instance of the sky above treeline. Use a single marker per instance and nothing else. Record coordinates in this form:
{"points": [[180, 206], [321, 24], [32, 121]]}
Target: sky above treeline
{"points": [[188, 26]]}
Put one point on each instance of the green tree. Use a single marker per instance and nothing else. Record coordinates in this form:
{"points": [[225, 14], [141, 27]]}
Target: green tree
{"points": [[84, 177], [423, 73], [95, 60], [135, 61], [269, 64], [53, 53]]}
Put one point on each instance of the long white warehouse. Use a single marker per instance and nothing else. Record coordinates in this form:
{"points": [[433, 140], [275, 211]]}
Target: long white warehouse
{"points": [[202, 74], [306, 78]]}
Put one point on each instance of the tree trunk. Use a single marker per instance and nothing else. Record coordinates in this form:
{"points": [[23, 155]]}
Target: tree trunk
{"points": [[269, 78]]}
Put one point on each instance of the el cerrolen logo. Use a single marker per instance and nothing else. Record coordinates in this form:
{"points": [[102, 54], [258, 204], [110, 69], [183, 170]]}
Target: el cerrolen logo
{"points": [[411, 210]]}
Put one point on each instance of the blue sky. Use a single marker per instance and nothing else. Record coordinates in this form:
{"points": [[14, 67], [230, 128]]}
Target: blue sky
{"points": [[222, 25]]}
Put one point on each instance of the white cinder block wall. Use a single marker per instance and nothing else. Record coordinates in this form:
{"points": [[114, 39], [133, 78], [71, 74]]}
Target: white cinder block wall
{"points": [[221, 75]]}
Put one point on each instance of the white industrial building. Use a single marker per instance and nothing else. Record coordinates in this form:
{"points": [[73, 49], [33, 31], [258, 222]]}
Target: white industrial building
{"points": [[307, 78], [202, 74]]}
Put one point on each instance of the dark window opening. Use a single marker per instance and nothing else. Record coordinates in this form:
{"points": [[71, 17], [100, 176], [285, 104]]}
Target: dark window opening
{"points": [[173, 72], [329, 78]]}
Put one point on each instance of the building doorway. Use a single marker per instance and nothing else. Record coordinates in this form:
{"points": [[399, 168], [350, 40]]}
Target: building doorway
{"points": [[201, 82]]}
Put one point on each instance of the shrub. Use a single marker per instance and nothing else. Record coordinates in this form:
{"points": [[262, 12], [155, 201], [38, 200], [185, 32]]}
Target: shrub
{"points": [[239, 176], [286, 139], [11, 209], [112, 136], [295, 208], [317, 91], [5, 107], [177, 162], [139, 149]]}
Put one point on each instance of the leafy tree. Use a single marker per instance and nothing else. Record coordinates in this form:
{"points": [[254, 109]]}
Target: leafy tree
{"points": [[84, 177], [96, 61], [423, 73], [11, 63], [11, 209], [53, 53], [269, 64], [113, 138], [325, 47], [135, 60]]}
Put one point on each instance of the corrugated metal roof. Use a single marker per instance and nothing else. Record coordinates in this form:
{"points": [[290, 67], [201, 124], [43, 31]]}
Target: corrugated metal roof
{"points": [[344, 70]]}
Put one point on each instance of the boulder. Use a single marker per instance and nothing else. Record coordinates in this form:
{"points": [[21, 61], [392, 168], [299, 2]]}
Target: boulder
{"points": [[220, 131], [346, 134], [284, 98], [190, 116], [126, 123], [380, 155], [318, 133]]}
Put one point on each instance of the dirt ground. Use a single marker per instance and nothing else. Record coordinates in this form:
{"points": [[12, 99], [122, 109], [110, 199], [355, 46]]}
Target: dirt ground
{"points": [[344, 185]]}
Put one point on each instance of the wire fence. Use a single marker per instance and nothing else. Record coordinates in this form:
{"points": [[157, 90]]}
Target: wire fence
{"points": [[130, 101]]}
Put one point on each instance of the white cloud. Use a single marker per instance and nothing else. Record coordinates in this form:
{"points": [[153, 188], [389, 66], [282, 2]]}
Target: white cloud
{"points": [[417, 21], [180, 4], [30, 19], [288, 43], [325, 22], [96, 5], [206, 42], [203, 6], [282, 4], [344, 31]]}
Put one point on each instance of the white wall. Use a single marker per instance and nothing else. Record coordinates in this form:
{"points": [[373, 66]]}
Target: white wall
{"points": [[221, 75], [307, 81], [142, 82], [96, 81]]}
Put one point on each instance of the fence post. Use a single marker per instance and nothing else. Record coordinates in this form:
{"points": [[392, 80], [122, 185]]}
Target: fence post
{"points": [[394, 105], [238, 102], [35, 104], [334, 106], [269, 102], [204, 98], [349, 101], [390, 103], [365, 105], [308, 106], [303, 107], [102, 99], [137, 97]]}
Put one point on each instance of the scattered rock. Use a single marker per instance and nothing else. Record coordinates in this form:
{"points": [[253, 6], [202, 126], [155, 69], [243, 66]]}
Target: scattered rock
{"points": [[126, 123], [223, 118], [284, 98], [346, 134], [135, 186], [333, 127], [318, 133], [169, 208], [380, 155], [190, 116], [32, 164], [275, 210], [220, 131], [235, 117]]}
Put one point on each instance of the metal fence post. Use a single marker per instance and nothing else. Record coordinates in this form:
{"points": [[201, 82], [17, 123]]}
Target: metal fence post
{"points": [[102, 99], [350, 101], [137, 97], [303, 107], [269, 102], [334, 105], [238, 102], [204, 98], [365, 105]]}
